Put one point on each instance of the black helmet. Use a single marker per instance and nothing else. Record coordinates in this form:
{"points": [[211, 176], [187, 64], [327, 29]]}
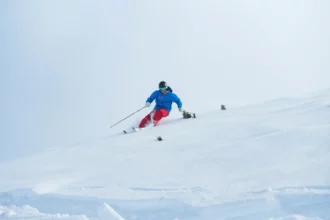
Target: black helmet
{"points": [[162, 85]]}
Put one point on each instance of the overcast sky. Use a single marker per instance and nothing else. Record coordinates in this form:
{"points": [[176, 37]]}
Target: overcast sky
{"points": [[71, 68]]}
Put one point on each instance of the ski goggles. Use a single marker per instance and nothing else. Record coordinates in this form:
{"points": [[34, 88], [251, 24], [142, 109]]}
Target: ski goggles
{"points": [[162, 89]]}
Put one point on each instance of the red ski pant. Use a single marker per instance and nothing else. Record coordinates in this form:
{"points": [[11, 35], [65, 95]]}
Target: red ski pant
{"points": [[156, 116]]}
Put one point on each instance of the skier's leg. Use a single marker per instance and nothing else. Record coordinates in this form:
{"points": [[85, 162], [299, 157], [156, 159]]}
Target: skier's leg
{"points": [[145, 120], [159, 114]]}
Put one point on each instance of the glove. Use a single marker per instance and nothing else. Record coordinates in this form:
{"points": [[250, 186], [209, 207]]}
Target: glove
{"points": [[148, 104], [180, 110]]}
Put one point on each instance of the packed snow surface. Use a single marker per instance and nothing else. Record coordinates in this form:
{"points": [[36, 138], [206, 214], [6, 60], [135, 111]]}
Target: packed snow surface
{"points": [[265, 161]]}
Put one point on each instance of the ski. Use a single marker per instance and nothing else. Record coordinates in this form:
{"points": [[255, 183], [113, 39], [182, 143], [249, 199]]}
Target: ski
{"points": [[130, 130], [133, 129], [187, 115]]}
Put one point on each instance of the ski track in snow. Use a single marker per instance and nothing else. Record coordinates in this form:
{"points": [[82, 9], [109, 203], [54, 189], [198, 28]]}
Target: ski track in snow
{"points": [[266, 161]]}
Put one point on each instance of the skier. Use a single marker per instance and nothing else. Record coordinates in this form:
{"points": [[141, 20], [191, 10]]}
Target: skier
{"points": [[164, 98]]}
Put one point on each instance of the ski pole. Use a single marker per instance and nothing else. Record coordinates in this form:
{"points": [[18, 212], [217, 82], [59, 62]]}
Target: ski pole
{"points": [[128, 116]]}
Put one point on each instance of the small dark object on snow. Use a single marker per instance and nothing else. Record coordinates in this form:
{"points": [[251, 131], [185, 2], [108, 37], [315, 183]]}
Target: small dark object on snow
{"points": [[223, 107], [188, 115], [159, 138]]}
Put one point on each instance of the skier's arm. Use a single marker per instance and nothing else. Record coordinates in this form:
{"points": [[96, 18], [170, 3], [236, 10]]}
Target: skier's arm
{"points": [[152, 97], [177, 100]]}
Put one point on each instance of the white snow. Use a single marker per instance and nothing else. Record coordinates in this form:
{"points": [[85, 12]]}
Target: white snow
{"points": [[28, 212], [109, 213], [264, 161]]}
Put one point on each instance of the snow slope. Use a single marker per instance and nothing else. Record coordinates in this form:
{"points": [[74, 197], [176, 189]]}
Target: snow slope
{"points": [[266, 161]]}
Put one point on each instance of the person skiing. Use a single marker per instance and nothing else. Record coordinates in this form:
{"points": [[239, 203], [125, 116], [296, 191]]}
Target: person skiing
{"points": [[164, 98]]}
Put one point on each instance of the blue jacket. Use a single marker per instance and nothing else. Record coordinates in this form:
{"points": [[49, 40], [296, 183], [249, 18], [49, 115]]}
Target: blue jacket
{"points": [[164, 100]]}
